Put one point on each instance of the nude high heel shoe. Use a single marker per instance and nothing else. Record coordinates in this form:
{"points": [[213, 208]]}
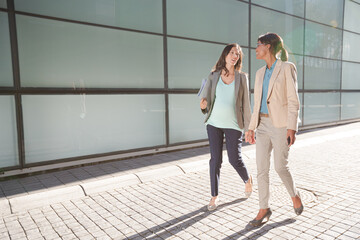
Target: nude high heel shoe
{"points": [[259, 222], [248, 194], [213, 207], [300, 209]]}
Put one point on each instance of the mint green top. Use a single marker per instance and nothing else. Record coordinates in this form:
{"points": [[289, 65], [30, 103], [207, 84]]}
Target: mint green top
{"points": [[223, 114]]}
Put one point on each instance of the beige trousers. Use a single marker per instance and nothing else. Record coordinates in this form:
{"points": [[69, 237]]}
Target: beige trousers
{"points": [[269, 137]]}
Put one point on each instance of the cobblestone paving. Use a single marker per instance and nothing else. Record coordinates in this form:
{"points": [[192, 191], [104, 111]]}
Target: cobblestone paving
{"points": [[326, 173]]}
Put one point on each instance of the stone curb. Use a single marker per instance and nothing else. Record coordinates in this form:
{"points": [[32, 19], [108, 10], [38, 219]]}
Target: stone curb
{"points": [[40, 199], [194, 166], [4, 207], [156, 174], [107, 184]]}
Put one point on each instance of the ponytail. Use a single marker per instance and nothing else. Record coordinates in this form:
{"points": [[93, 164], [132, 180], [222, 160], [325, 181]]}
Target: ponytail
{"points": [[276, 45], [284, 55]]}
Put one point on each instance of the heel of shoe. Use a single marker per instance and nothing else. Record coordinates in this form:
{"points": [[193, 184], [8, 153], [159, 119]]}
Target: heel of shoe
{"points": [[256, 223], [300, 209], [248, 194]]}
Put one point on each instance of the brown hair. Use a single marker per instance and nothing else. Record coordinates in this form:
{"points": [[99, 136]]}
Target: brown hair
{"points": [[276, 44], [221, 63]]}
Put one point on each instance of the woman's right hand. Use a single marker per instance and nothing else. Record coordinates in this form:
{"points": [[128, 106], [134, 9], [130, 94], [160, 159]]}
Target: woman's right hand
{"points": [[203, 103], [250, 136]]}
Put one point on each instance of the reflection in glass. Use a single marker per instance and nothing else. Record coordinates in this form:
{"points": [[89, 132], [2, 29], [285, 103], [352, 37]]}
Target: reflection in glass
{"points": [[215, 20], [321, 108], [294, 7], [6, 75], [137, 14], [63, 126], [3, 4], [8, 137], [291, 29], [350, 105], [182, 127], [325, 11], [322, 41], [322, 73], [61, 54], [350, 75], [351, 47], [190, 61], [351, 16]]}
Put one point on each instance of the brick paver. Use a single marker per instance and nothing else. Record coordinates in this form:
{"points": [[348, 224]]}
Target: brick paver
{"points": [[326, 172]]}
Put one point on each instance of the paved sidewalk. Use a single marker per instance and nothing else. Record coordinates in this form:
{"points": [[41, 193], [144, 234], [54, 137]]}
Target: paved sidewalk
{"points": [[164, 196]]}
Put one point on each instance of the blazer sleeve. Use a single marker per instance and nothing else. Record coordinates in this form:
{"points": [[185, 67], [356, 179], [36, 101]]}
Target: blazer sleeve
{"points": [[292, 97], [246, 102], [206, 93], [255, 115]]}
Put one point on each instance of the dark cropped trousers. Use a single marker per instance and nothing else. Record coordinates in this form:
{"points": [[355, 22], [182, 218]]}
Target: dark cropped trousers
{"points": [[233, 146]]}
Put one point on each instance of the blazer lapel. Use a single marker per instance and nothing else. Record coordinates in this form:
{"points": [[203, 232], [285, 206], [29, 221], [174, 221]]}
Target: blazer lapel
{"points": [[237, 82], [273, 77], [261, 82], [216, 80]]}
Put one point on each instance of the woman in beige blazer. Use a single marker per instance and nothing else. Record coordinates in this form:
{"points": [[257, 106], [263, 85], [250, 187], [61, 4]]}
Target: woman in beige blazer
{"points": [[275, 116], [225, 100]]}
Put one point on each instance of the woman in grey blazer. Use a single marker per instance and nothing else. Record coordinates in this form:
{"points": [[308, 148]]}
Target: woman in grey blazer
{"points": [[225, 100]]}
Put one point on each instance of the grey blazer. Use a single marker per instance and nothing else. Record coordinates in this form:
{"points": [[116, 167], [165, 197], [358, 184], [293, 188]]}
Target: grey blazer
{"points": [[243, 112]]}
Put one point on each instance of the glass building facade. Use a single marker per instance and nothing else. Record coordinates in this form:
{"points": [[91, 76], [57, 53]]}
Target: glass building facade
{"points": [[88, 78]]}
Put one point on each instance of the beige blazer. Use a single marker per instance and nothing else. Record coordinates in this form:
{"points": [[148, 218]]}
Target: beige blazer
{"points": [[282, 98], [242, 104]]}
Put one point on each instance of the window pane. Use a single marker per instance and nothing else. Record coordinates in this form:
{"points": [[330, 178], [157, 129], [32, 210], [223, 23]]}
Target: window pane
{"points": [[322, 41], [8, 137], [294, 7], [351, 16], [216, 20], [256, 64], [350, 76], [61, 54], [325, 11], [351, 47], [301, 99], [350, 105], [321, 108], [190, 61], [322, 73], [57, 127], [6, 76], [3, 4], [291, 29], [186, 119], [137, 14]]}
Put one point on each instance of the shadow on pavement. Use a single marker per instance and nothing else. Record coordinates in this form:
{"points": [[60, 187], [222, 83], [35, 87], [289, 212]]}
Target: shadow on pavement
{"points": [[67, 176], [179, 224], [262, 230]]}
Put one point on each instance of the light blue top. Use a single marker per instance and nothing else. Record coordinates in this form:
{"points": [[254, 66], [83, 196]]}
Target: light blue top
{"points": [[223, 114], [265, 89]]}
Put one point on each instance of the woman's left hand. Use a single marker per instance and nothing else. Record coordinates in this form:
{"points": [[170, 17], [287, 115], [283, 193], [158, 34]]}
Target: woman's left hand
{"points": [[290, 134]]}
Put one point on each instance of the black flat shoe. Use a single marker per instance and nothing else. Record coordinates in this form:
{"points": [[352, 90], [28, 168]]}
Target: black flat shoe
{"points": [[259, 222]]}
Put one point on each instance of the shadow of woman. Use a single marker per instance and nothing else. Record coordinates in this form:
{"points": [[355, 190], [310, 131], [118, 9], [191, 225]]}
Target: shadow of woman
{"points": [[261, 231], [179, 224]]}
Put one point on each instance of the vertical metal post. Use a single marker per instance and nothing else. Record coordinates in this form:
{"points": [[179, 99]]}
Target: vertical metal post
{"points": [[303, 70], [166, 85], [17, 85], [341, 57]]}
